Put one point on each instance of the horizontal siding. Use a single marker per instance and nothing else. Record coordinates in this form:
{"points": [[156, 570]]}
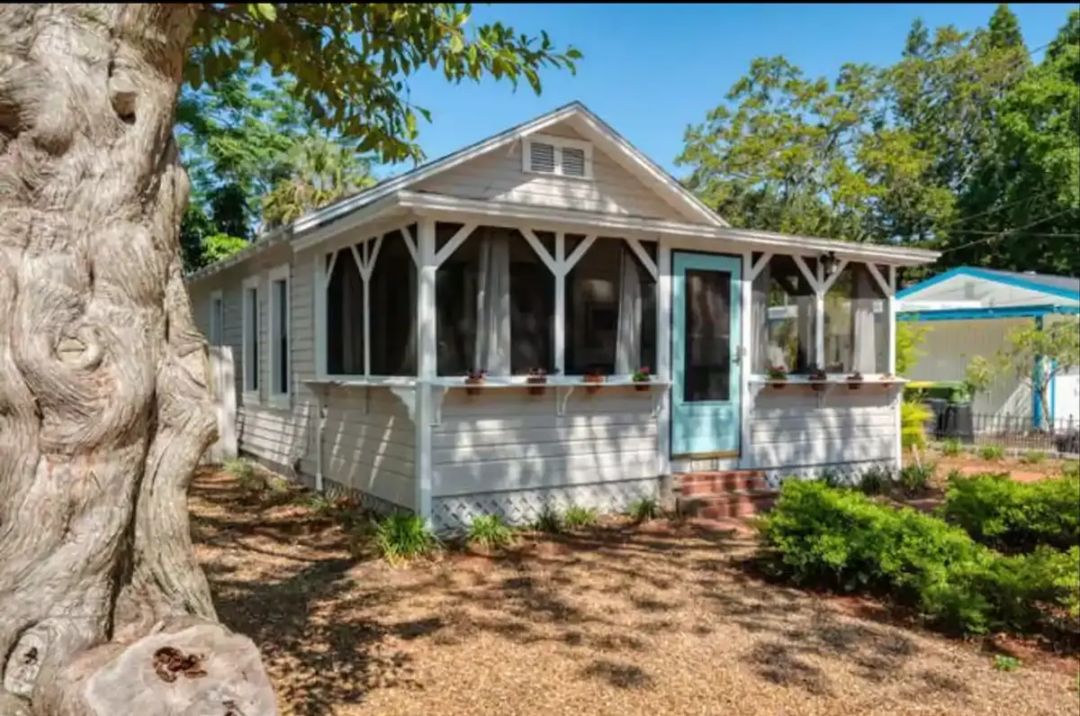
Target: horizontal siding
{"points": [[791, 428], [369, 444], [280, 436], [506, 440], [498, 176]]}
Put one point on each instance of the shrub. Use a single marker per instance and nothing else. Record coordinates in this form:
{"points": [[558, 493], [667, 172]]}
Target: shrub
{"points": [[402, 537], [243, 471], [1071, 469], [913, 417], [876, 480], [549, 521], [489, 532], [1033, 457], [1006, 663], [952, 447], [914, 479], [644, 509], [840, 538], [577, 517], [1010, 515], [991, 452]]}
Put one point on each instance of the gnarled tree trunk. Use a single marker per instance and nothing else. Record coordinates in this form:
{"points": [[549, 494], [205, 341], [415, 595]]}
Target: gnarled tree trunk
{"points": [[104, 409]]}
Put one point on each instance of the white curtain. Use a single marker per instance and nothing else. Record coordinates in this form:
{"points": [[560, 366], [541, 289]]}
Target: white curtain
{"points": [[863, 352], [759, 316], [492, 351], [807, 306], [628, 338]]}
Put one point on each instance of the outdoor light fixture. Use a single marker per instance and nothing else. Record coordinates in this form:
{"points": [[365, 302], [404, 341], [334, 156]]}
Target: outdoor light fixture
{"points": [[829, 263]]}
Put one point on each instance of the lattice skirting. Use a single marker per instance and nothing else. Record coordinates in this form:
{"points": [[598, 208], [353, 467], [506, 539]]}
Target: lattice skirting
{"points": [[846, 471], [520, 507]]}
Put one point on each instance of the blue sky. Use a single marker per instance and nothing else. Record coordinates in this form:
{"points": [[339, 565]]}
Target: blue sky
{"points": [[650, 70]]}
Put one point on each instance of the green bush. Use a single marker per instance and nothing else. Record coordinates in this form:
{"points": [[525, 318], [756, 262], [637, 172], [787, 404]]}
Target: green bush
{"points": [[952, 447], [840, 538], [577, 517], [644, 509], [1071, 469], [914, 479], [489, 532], [991, 452], [1006, 663], [913, 418], [876, 480], [1010, 515], [549, 521], [403, 536], [1033, 457], [245, 474]]}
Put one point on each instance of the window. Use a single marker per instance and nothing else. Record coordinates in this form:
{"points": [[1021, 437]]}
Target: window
{"points": [[557, 155], [251, 338], [344, 315], [217, 319], [393, 308], [856, 323], [495, 300], [784, 317], [708, 336], [610, 311], [279, 333]]}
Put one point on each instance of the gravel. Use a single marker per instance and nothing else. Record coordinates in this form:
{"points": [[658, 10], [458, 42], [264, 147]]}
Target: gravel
{"points": [[657, 619]]}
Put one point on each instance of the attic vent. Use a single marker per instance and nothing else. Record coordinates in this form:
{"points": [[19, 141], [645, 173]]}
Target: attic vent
{"points": [[557, 155], [573, 162], [541, 157]]}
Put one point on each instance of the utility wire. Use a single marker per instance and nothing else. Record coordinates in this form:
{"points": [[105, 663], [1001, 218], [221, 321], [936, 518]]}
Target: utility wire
{"points": [[1005, 233]]}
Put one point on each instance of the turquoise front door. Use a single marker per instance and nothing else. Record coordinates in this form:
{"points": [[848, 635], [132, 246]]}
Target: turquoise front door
{"points": [[705, 417]]}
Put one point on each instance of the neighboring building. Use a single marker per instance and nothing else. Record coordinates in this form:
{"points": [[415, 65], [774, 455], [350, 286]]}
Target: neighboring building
{"points": [[970, 311], [553, 245]]}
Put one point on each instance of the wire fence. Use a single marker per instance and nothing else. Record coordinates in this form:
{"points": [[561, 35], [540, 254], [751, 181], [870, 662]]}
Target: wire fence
{"points": [[1009, 431]]}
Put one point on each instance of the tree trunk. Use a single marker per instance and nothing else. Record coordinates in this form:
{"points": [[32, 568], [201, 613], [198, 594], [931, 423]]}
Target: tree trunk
{"points": [[104, 410]]}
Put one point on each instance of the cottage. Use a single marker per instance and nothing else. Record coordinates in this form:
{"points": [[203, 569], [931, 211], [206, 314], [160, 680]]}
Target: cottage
{"points": [[563, 264], [969, 311]]}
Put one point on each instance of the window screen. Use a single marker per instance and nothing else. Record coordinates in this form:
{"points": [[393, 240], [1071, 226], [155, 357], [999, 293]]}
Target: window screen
{"points": [[393, 309]]}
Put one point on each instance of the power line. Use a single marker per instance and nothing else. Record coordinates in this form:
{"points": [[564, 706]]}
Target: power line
{"points": [[1005, 233]]}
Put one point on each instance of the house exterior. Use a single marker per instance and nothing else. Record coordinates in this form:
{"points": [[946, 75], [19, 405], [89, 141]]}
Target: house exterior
{"points": [[554, 245], [969, 312]]}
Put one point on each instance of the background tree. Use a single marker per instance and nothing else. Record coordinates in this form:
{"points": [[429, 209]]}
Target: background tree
{"points": [[104, 409], [1038, 354], [961, 145]]}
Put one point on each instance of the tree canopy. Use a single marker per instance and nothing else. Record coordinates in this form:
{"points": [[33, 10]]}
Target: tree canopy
{"points": [[963, 145], [285, 107]]}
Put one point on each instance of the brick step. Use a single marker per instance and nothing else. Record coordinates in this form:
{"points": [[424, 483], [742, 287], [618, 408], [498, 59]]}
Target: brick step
{"points": [[712, 483], [735, 503]]}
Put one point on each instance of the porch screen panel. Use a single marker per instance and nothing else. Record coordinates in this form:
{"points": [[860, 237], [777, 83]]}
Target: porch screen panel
{"points": [[707, 367], [532, 308], [784, 317], [345, 317], [856, 323], [456, 283], [393, 309]]}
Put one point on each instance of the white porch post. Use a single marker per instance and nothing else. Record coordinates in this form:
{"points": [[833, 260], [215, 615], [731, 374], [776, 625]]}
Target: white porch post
{"points": [[819, 323], [663, 355], [899, 447], [746, 356], [426, 362], [560, 303]]}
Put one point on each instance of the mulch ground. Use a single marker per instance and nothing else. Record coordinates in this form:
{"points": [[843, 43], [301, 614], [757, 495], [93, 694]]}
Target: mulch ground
{"points": [[657, 619]]}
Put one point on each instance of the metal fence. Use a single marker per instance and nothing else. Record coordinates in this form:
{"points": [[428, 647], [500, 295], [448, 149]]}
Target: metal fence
{"points": [[957, 422]]}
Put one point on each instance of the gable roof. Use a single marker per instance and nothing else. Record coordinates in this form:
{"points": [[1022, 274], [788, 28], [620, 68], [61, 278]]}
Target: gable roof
{"points": [[1065, 287], [621, 150]]}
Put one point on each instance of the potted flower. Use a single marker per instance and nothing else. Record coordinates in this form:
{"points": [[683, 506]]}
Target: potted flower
{"points": [[474, 377], [817, 378], [641, 377], [777, 376], [593, 376], [854, 380], [536, 380]]}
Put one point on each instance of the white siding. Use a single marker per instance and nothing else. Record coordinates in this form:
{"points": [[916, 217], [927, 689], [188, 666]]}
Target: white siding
{"points": [[795, 427], [504, 440], [498, 176], [950, 345]]}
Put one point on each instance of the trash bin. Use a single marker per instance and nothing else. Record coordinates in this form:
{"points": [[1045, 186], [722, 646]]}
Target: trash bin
{"points": [[958, 422], [936, 424]]}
